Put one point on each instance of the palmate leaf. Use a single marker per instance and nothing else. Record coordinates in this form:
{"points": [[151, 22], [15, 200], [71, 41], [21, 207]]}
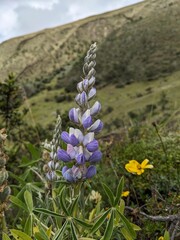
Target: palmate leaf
{"points": [[73, 231], [86, 238], [59, 234], [5, 237], [18, 202], [82, 223], [127, 225], [119, 191], [64, 208], [29, 225], [109, 227], [18, 235], [109, 194], [99, 222], [29, 201], [48, 212], [72, 207], [41, 234]]}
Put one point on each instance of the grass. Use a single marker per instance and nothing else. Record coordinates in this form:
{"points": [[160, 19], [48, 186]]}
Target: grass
{"points": [[121, 100]]}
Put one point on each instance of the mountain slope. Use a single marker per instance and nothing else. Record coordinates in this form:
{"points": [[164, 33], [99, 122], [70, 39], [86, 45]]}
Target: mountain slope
{"points": [[136, 45]]}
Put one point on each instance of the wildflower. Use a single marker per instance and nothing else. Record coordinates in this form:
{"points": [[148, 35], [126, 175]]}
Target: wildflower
{"points": [[136, 168], [161, 238], [82, 147], [125, 194], [50, 153], [95, 196]]}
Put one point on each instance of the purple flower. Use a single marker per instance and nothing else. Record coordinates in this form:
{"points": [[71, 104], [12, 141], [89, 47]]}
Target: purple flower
{"points": [[80, 87], [86, 119], [72, 174], [96, 126], [95, 157], [51, 175], [91, 171], [91, 93], [69, 139], [67, 174], [87, 122], [91, 81], [85, 84], [83, 99], [89, 137], [92, 146], [95, 108], [63, 155], [74, 115], [81, 159]]}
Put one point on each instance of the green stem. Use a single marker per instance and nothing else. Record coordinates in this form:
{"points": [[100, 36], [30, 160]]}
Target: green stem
{"points": [[165, 153]]}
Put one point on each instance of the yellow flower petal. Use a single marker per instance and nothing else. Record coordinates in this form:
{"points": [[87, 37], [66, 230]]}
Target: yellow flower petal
{"points": [[144, 163], [125, 194], [161, 238], [132, 166]]}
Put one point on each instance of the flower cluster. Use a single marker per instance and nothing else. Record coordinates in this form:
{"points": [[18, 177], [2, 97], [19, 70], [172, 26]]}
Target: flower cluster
{"points": [[51, 153], [137, 168], [82, 147]]}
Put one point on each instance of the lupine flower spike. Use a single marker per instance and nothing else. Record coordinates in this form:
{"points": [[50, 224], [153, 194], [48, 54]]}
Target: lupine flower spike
{"points": [[82, 147], [52, 147]]}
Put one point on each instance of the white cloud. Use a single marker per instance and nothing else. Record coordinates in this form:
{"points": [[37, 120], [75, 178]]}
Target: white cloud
{"points": [[19, 17], [42, 4]]}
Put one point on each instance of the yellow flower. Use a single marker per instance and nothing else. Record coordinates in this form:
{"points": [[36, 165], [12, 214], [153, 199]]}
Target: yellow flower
{"points": [[137, 168], [125, 194], [161, 238]]}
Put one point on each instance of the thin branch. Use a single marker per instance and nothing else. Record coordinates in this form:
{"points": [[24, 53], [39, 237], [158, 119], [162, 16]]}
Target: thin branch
{"points": [[175, 230], [169, 218]]}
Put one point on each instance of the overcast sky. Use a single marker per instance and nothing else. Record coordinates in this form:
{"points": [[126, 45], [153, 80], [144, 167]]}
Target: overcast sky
{"points": [[19, 17]]}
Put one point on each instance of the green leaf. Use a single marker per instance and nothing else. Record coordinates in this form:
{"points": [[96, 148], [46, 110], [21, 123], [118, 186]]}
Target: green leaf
{"points": [[109, 194], [41, 234], [18, 235], [18, 202], [29, 163], [122, 206], [84, 238], [127, 225], [135, 227], [119, 191], [59, 234], [29, 201], [5, 237], [82, 223], [29, 225], [166, 235], [109, 227], [35, 152], [126, 234], [73, 231], [72, 207], [36, 189], [48, 212], [20, 180], [100, 221], [64, 208]]}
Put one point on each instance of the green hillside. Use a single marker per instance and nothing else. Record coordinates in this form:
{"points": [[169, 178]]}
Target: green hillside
{"points": [[138, 64]]}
